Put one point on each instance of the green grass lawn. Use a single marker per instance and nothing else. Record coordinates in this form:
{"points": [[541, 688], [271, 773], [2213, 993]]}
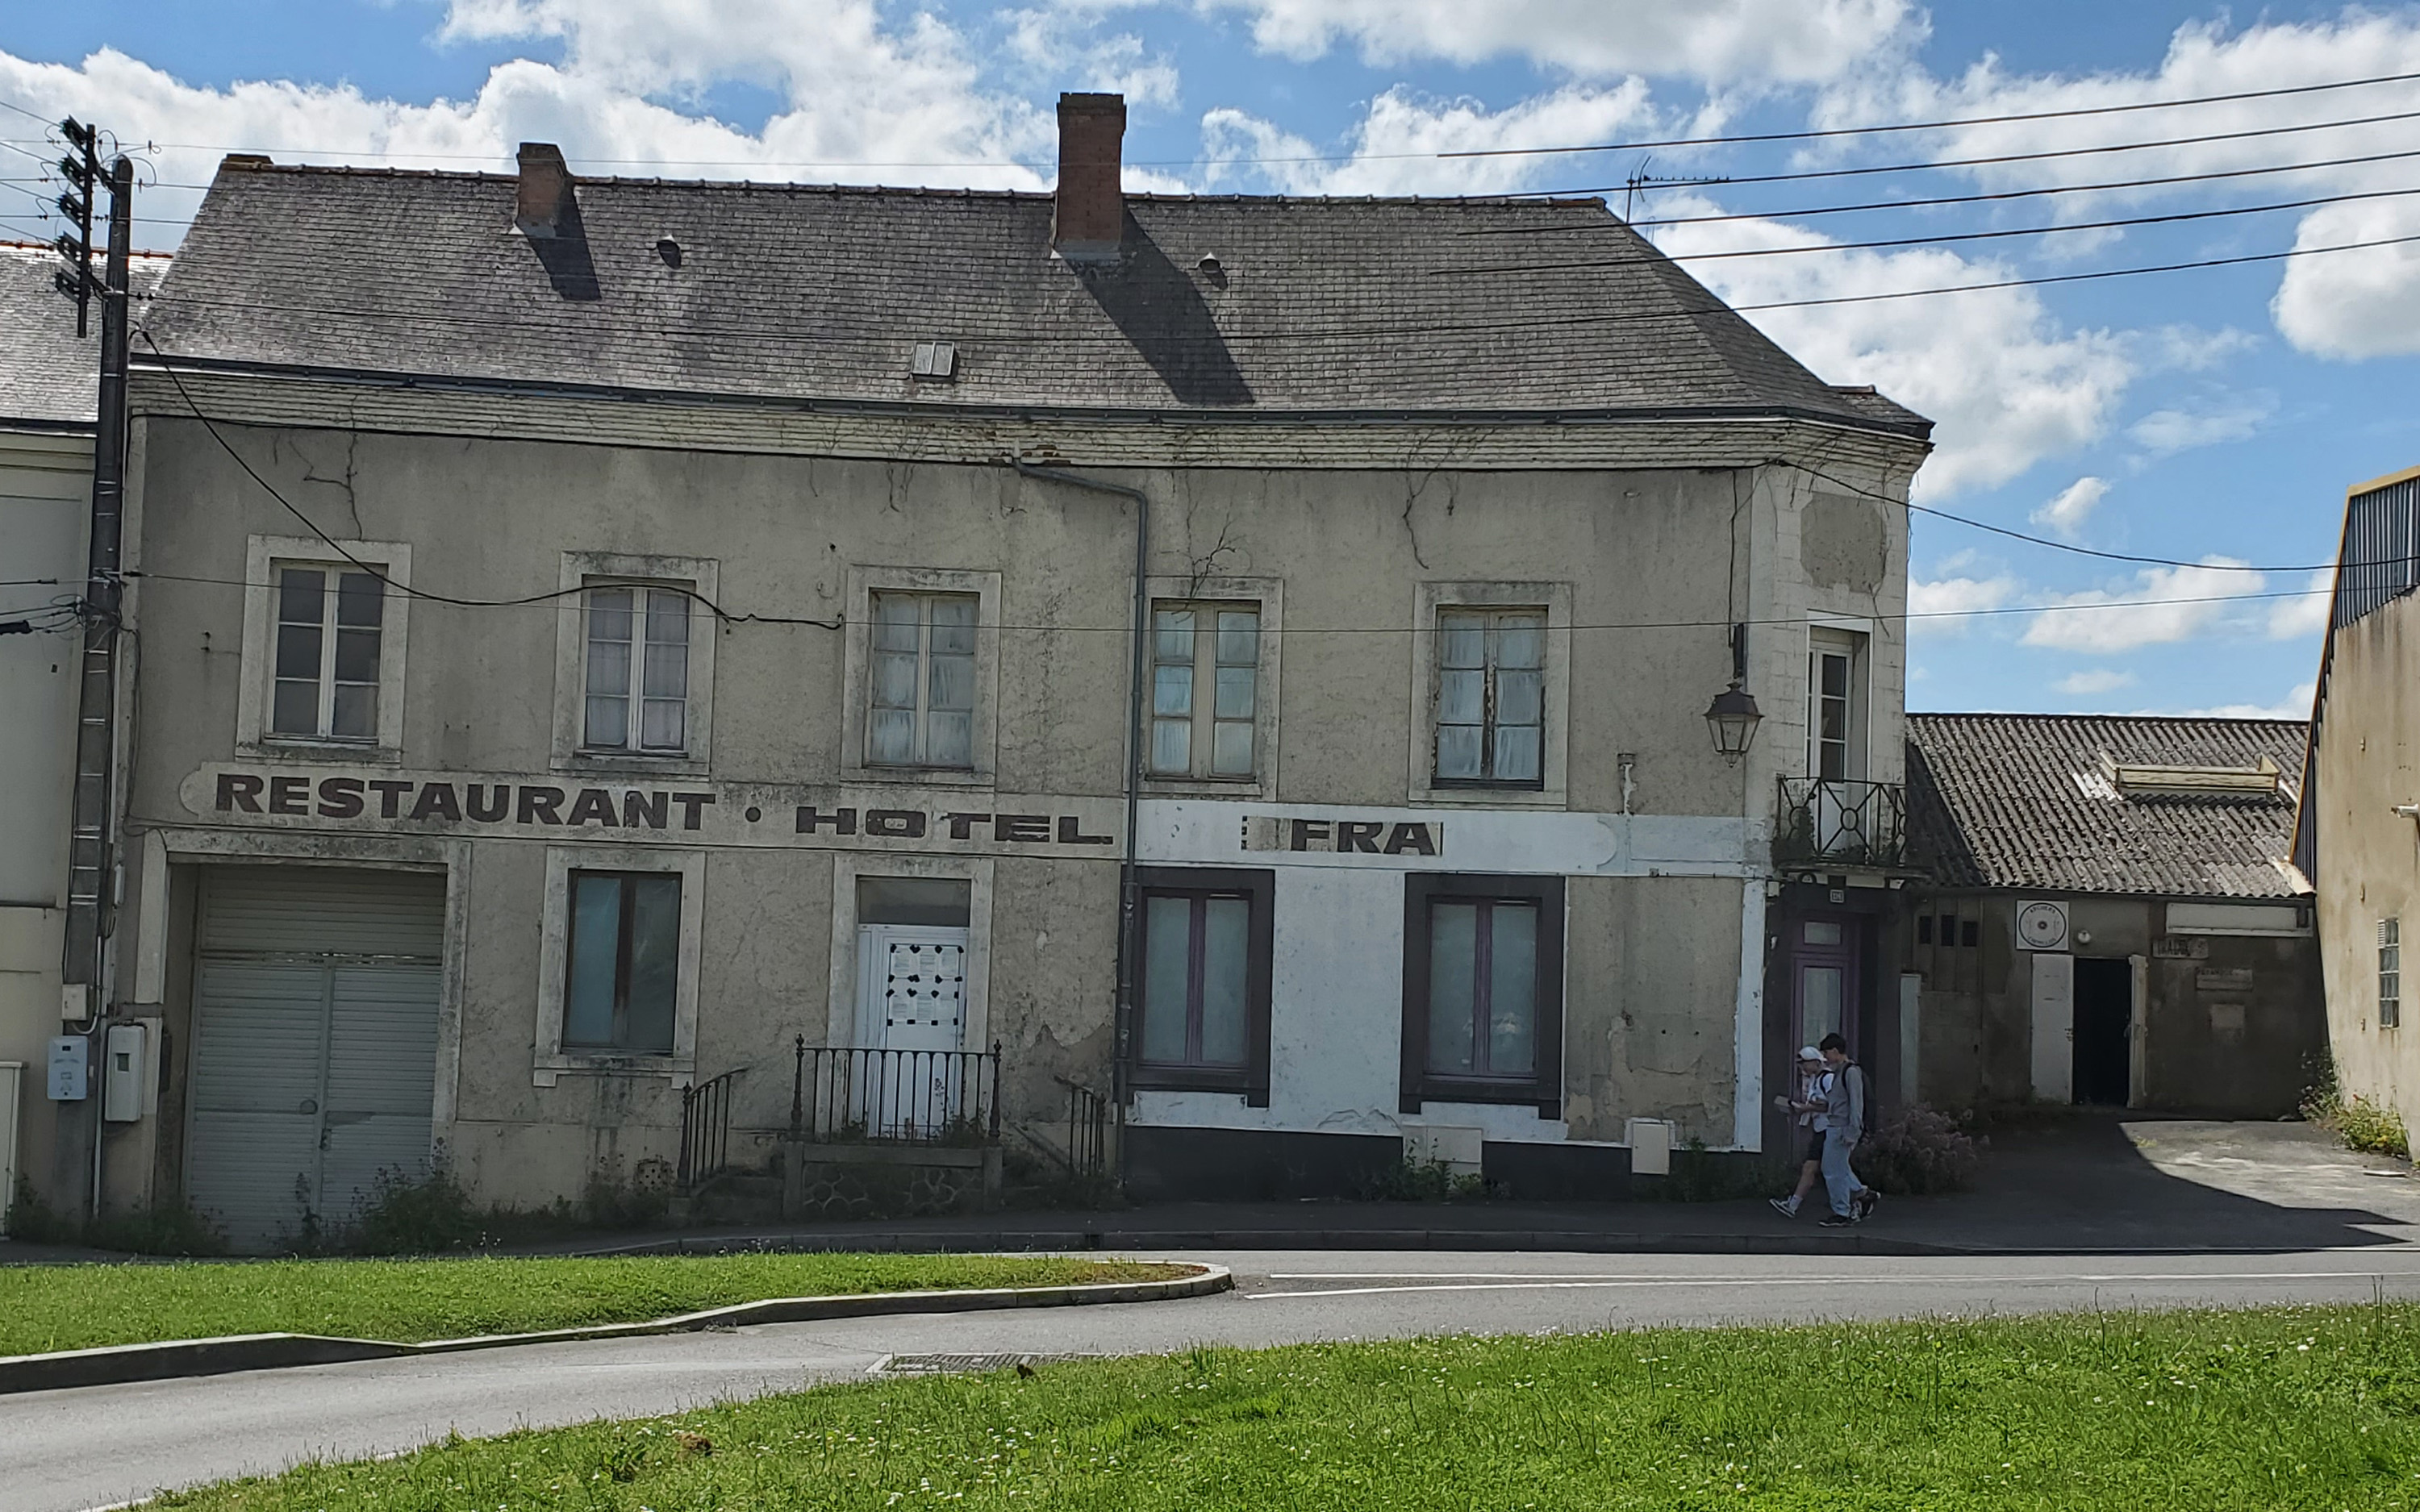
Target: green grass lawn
{"points": [[2286, 1409], [77, 1306]]}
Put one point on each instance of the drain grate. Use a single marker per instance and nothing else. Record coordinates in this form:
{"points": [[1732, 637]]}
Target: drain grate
{"points": [[949, 1365]]}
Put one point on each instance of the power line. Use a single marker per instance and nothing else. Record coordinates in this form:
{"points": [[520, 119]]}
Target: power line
{"points": [[1935, 126], [1810, 174], [1027, 337], [1936, 201], [1939, 238]]}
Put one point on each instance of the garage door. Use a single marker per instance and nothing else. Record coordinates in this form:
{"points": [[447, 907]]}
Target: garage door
{"points": [[314, 1043]]}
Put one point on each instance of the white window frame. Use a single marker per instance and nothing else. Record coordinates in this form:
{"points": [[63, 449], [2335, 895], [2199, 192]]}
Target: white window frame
{"points": [[858, 667], [553, 1060], [264, 555], [1555, 598], [1828, 638], [2390, 973], [1269, 595], [584, 570]]}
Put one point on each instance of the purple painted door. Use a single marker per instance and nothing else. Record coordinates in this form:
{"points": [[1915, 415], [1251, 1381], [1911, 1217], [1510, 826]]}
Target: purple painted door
{"points": [[1823, 978]]}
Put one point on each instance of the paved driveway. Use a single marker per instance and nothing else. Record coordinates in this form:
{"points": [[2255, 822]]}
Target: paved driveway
{"points": [[66, 1451]]}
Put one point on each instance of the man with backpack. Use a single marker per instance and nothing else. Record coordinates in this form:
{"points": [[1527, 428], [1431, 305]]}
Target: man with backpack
{"points": [[1845, 1123]]}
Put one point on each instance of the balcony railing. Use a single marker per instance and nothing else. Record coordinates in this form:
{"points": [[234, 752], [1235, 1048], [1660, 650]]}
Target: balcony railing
{"points": [[930, 1097], [1840, 822]]}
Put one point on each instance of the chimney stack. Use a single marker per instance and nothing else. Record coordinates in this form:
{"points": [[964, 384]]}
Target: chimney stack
{"points": [[545, 204], [1089, 220]]}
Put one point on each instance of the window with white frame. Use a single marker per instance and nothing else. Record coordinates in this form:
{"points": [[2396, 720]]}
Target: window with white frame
{"points": [[636, 676], [326, 654], [1204, 688], [1835, 716], [2390, 973], [921, 693], [1491, 717]]}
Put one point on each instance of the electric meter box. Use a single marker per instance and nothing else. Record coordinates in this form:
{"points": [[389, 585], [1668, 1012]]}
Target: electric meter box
{"points": [[67, 1068], [122, 1075]]}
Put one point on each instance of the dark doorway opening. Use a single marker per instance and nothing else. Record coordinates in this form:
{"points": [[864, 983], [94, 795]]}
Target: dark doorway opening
{"points": [[2104, 1011]]}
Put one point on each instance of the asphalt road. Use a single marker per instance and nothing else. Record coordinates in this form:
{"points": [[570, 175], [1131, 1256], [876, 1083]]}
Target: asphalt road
{"points": [[72, 1450]]}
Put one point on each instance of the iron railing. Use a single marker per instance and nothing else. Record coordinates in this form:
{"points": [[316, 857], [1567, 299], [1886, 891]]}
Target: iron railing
{"points": [[1836, 822], [931, 1097], [706, 1130], [1088, 1129]]}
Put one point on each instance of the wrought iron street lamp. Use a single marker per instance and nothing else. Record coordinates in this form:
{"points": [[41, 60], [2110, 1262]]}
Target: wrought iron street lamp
{"points": [[1731, 719]]}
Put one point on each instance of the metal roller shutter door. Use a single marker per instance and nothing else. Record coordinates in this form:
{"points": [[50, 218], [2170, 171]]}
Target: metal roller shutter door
{"points": [[314, 1043]]}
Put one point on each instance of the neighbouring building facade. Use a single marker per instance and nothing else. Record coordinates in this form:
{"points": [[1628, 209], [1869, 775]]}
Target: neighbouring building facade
{"points": [[47, 387], [601, 634], [2358, 835], [2108, 917]]}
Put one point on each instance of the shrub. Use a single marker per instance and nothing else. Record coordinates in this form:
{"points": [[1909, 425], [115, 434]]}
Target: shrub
{"points": [[163, 1228], [2356, 1121], [1424, 1180], [1915, 1151]]}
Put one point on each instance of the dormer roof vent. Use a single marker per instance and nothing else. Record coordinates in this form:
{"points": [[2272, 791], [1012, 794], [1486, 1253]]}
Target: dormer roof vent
{"points": [[935, 360]]}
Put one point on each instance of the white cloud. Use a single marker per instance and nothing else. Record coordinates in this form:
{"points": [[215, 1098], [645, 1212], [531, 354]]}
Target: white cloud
{"points": [[2074, 504], [1937, 608], [2296, 704], [2291, 619], [2191, 350], [1718, 41], [2165, 431], [2161, 606], [2006, 383], [2099, 680], [2353, 304], [1391, 149]]}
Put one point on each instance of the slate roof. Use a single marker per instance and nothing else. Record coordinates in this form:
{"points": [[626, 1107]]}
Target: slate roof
{"points": [[2021, 800], [48, 376], [791, 292]]}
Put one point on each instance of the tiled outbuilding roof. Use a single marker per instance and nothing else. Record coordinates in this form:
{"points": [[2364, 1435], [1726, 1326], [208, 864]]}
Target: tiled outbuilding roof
{"points": [[48, 378], [2025, 800], [1244, 306]]}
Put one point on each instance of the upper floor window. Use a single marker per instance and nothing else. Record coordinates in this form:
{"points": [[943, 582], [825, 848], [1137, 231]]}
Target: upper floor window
{"points": [[1491, 715], [921, 698], [1835, 697], [1204, 689], [637, 670], [2390, 973], [327, 653]]}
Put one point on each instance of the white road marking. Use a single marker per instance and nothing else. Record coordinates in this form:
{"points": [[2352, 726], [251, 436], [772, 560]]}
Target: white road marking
{"points": [[1608, 1283]]}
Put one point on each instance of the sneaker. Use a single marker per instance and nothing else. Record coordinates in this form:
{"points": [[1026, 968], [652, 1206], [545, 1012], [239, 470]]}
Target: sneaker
{"points": [[1867, 1201], [1784, 1207], [1835, 1221]]}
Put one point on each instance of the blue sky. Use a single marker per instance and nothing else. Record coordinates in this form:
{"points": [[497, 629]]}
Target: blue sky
{"points": [[2211, 416]]}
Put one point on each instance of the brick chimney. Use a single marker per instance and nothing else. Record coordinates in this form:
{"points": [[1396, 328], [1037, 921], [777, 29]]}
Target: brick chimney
{"points": [[1088, 221], [545, 204]]}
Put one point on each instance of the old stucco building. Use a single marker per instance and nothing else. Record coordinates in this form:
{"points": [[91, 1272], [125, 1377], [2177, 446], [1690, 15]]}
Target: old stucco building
{"points": [[2358, 834], [598, 631]]}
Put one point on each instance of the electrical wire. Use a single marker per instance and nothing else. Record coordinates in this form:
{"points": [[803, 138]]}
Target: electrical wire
{"points": [[1938, 238], [1805, 212], [1837, 131]]}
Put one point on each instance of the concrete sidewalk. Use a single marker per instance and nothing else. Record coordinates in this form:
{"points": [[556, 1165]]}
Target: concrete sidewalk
{"points": [[2062, 1184]]}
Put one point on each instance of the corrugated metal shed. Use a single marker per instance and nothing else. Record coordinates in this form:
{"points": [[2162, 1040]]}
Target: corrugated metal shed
{"points": [[2024, 801]]}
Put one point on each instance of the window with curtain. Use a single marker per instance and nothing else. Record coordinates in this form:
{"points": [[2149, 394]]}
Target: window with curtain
{"points": [[637, 675], [1491, 715], [921, 697], [625, 961], [1482, 990], [1201, 980], [1204, 689], [325, 685]]}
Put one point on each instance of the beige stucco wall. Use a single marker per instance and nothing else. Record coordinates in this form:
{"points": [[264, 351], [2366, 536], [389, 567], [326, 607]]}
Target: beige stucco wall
{"points": [[45, 489], [2369, 856], [1653, 966]]}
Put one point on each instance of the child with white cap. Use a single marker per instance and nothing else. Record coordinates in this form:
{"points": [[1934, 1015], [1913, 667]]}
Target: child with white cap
{"points": [[1814, 1087]]}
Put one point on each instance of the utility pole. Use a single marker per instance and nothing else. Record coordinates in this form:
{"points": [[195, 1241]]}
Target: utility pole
{"points": [[91, 875]]}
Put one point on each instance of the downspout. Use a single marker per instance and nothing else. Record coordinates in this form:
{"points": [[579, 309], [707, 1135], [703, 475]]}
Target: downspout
{"points": [[1121, 1022]]}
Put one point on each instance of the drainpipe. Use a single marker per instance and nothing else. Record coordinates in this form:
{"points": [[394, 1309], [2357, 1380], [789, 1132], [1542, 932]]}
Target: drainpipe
{"points": [[1128, 904]]}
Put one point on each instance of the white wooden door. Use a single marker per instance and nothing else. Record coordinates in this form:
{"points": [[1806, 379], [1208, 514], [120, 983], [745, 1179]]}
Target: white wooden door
{"points": [[2054, 1015], [911, 1004]]}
